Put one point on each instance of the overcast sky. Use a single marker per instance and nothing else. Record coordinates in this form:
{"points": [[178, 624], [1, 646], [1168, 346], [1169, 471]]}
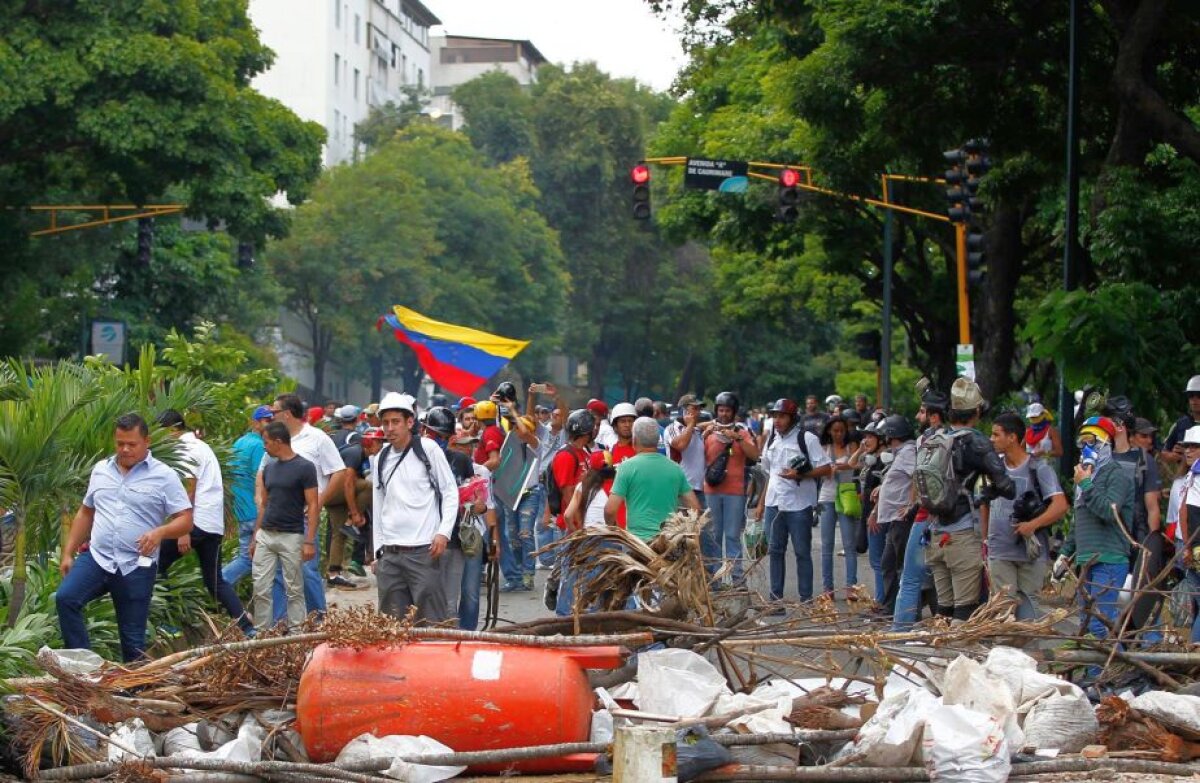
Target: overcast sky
{"points": [[622, 36]]}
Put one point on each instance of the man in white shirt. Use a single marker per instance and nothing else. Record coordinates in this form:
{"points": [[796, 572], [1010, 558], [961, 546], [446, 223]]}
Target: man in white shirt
{"points": [[686, 440], [415, 508], [318, 448], [207, 493], [792, 467]]}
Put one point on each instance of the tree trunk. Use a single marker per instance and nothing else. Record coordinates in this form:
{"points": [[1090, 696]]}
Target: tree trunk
{"points": [[994, 317], [597, 372], [320, 352], [376, 377]]}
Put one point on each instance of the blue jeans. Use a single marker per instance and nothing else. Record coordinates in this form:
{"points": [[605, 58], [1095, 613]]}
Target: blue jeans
{"points": [[468, 597], [546, 536], [240, 566], [130, 593], [795, 526], [721, 538], [517, 535], [831, 521], [1101, 587], [912, 579], [875, 542], [1192, 580], [314, 588]]}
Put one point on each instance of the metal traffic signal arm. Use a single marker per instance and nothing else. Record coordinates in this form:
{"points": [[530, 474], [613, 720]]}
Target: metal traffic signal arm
{"points": [[109, 213]]}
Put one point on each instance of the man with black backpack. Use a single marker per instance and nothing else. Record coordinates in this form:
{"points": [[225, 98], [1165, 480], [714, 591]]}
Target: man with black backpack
{"points": [[949, 467], [567, 469], [1015, 530], [349, 444], [415, 507]]}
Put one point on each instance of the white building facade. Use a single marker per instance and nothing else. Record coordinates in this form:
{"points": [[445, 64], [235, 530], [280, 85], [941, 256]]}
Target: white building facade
{"points": [[458, 59], [335, 59]]}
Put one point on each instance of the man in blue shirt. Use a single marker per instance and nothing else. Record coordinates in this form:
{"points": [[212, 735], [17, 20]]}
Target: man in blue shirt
{"points": [[121, 517], [247, 455]]}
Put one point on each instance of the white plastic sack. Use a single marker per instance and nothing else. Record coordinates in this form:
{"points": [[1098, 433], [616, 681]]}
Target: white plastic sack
{"points": [[892, 737], [969, 684], [770, 709], [964, 746], [396, 746], [602, 727], [272, 721], [677, 682], [1064, 723], [134, 735], [1173, 709], [245, 747], [182, 741], [75, 660], [1028, 685]]}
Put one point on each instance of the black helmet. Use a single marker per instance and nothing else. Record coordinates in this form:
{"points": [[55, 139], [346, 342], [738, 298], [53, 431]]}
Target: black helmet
{"points": [[896, 427], [935, 400], [439, 400], [507, 391], [581, 422], [728, 399], [440, 420]]}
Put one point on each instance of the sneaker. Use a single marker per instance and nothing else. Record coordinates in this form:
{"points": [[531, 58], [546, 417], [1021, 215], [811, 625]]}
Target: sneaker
{"points": [[337, 580], [510, 587], [527, 582], [356, 569]]}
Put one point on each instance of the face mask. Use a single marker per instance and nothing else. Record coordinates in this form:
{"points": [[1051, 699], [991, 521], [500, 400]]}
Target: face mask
{"points": [[887, 457], [869, 460]]}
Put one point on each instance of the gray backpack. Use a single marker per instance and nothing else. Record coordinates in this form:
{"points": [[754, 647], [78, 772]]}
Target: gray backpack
{"points": [[937, 476]]}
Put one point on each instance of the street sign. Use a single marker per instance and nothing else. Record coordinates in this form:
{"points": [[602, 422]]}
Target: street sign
{"points": [[108, 339], [727, 176], [964, 363]]}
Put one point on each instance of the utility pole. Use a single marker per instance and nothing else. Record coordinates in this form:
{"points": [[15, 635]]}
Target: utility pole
{"points": [[885, 341]]}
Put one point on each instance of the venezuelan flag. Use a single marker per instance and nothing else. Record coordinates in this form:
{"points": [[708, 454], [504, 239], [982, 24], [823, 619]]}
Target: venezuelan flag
{"points": [[457, 358]]}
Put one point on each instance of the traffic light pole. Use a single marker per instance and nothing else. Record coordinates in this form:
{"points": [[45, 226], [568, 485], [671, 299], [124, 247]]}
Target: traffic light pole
{"points": [[885, 342], [964, 305]]}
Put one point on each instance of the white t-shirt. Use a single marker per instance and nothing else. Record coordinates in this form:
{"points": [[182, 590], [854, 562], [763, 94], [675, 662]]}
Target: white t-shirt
{"points": [[317, 447], [405, 509], [594, 515], [208, 510], [607, 436], [692, 458], [786, 494]]}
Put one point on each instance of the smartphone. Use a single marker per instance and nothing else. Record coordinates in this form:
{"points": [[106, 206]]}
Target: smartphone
{"points": [[540, 388]]}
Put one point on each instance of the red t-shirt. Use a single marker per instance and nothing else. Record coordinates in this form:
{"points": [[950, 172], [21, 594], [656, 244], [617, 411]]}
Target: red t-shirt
{"points": [[567, 470], [491, 440], [735, 468], [620, 453]]}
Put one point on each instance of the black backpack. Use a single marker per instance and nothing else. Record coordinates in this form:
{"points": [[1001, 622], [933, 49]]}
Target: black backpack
{"points": [[415, 447]]}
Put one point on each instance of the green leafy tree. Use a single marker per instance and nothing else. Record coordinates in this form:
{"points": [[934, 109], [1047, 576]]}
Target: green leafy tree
{"points": [[500, 112], [383, 122]]}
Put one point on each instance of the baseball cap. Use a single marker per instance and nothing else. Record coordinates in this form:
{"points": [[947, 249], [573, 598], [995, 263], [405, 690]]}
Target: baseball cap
{"points": [[373, 433], [347, 412], [599, 460], [598, 407], [263, 413], [1192, 436], [464, 403], [371, 409], [1035, 411], [314, 414], [1143, 427], [690, 399]]}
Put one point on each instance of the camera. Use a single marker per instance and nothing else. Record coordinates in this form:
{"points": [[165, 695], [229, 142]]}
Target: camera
{"points": [[801, 464], [1028, 506]]}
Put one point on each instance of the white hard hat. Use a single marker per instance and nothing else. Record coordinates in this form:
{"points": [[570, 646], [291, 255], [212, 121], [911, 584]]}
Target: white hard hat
{"points": [[833, 399], [622, 409], [1192, 436], [1193, 384], [394, 401]]}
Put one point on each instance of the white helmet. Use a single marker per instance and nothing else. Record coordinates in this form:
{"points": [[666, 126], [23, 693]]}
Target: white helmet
{"points": [[833, 399], [1193, 384], [394, 401], [622, 409]]}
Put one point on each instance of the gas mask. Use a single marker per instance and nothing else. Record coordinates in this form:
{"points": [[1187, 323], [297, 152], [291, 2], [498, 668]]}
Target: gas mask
{"points": [[886, 457]]}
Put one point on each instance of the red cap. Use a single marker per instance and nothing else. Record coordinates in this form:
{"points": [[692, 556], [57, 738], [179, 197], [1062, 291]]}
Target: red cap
{"points": [[599, 460], [373, 433], [466, 402], [597, 407], [315, 414]]}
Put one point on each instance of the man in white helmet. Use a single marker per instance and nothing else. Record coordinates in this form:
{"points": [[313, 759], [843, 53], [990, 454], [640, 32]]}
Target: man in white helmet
{"points": [[1173, 448], [415, 508]]}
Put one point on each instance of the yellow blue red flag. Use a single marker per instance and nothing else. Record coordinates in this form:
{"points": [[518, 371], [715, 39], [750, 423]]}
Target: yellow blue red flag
{"points": [[458, 358]]}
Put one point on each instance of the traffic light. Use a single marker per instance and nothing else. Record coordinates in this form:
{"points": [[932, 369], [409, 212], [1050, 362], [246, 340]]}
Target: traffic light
{"points": [[245, 255], [976, 261], [958, 194], [145, 241], [869, 345], [640, 176], [787, 202]]}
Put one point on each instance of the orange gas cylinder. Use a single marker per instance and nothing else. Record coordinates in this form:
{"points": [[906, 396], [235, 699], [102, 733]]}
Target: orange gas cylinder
{"points": [[468, 696]]}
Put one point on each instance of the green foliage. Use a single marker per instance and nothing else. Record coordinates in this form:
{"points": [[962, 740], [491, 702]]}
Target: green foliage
{"points": [[1126, 336], [500, 112], [384, 122]]}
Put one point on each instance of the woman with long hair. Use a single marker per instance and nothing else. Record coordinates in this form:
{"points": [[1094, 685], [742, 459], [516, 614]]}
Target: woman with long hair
{"points": [[835, 437]]}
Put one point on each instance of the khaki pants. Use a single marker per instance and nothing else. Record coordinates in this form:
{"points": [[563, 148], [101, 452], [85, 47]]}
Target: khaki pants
{"points": [[271, 548], [339, 514], [1022, 580], [957, 567]]}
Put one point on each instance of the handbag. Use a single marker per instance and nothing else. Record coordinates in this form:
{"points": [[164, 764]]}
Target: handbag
{"points": [[847, 501]]}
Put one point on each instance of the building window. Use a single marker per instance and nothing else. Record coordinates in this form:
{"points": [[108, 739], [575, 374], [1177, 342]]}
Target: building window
{"points": [[420, 78], [393, 55], [337, 68], [356, 84], [357, 29], [337, 14], [337, 124]]}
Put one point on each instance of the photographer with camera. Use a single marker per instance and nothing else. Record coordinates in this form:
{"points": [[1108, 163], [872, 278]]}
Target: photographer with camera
{"points": [[727, 447], [1015, 530], [794, 460]]}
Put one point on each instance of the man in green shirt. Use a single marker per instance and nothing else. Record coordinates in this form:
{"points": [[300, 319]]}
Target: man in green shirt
{"points": [[650, 485]]}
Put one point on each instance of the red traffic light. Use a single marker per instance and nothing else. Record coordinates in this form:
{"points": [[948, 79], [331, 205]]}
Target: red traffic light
{"points": [[640, 174], [789, 178]]}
